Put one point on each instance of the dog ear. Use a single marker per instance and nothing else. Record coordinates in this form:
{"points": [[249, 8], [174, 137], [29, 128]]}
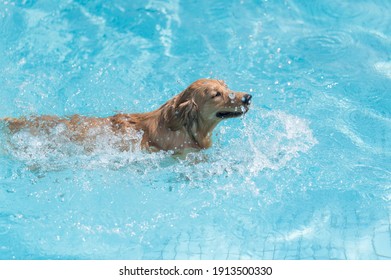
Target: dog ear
{"points": [[188, 112], [184, 114]]}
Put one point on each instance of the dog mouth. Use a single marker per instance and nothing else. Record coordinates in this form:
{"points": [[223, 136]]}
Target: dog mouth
{"points": [[225, 115], [231, 114]]}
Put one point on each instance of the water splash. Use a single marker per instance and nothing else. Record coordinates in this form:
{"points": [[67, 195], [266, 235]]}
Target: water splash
{"points": [[55, 150], [269, 140], [281, 138], [231, 95]]}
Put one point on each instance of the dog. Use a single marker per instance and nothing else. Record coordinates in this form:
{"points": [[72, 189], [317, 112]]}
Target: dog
{"points": [[183, 124]]}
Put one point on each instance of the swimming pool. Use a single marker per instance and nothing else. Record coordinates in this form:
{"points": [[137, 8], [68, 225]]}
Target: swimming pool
{"points": [[304, 175]]}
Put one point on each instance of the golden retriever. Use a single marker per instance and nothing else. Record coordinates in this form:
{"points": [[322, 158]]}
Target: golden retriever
{"points": [[184, 123]]}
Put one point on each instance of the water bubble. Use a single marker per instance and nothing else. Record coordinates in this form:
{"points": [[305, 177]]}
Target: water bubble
{"points": [[232, 95]]}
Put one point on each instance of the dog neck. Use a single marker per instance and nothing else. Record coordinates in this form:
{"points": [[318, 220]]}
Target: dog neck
{"points": [[158, 128], [201, 132]]}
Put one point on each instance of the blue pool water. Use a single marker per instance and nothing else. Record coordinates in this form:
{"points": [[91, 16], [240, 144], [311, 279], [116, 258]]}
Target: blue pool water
{"points": [[306, 174]]}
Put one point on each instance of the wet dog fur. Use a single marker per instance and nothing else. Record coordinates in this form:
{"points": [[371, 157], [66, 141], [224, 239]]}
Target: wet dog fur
{"points": [[184, 123]]}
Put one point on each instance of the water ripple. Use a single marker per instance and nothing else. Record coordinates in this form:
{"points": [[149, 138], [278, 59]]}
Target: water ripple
{"points": [[368, 132], [338, 9], [330, 44], [350, 11]]}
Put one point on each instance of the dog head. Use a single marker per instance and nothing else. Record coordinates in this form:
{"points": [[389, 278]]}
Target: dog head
{"points": [[208, 101]]}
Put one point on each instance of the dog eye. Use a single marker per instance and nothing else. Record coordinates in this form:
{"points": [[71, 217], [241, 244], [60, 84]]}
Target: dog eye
{"points": [[217, 94]]}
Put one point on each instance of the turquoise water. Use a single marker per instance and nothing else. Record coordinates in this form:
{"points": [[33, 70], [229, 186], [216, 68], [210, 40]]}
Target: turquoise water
{"points": [[304, 175]]}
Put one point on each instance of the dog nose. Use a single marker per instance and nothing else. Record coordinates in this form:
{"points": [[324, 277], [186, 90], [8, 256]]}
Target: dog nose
{"points": [[246, 99]]}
